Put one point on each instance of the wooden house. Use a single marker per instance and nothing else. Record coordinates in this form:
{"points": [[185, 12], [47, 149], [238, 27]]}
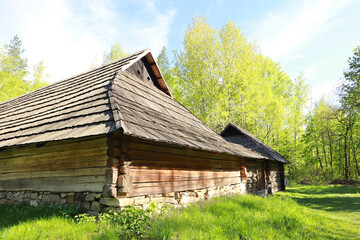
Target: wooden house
{"points": [[113, 136], [263, 175]]}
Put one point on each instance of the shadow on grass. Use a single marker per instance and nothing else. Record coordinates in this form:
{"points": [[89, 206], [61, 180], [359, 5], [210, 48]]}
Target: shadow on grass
{"points": [[329, 198], [323, 189], [11, 215], [331, 203]]}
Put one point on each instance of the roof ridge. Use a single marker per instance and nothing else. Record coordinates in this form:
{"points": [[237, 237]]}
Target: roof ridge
{"points": [[72, 77], [269, 152], [114, 107]]}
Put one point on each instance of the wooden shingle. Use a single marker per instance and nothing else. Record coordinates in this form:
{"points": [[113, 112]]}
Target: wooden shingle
{"points": [[108, 99]]}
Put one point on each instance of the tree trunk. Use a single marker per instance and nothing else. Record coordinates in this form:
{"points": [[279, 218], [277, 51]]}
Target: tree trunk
{"points": [[323, 147], [346, 154], [356, 162], [354, 153], [294, 165], [318, 157], [330, 147]]}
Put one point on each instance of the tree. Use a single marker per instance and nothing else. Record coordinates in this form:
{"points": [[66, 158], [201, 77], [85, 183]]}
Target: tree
{"points": [[13, 70], [297, 118], [38, 78], [14, 74], [16, 64], [332, 137], [198, 68], [350, 109], [116, 52], [170, 75], [223, 77]]}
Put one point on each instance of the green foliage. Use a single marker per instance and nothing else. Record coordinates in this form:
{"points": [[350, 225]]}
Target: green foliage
{"points": [[170, 74], [16, 63], [38, 78], [116, 52], [350, 89], [14, 74], [153, 207], [222, 77], [128, 223], [332, 136]]}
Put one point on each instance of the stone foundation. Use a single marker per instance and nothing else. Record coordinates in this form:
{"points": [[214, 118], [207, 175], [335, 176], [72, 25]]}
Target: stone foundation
{"points": [[176, 199], [87, 200], [95, 201]]}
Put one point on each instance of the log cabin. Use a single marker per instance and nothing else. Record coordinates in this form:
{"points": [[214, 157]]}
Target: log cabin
{"points": [[263, 176], [113, 136]]}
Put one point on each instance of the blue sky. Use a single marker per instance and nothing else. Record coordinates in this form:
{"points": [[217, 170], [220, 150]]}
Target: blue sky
{"points": [[313, 37]]}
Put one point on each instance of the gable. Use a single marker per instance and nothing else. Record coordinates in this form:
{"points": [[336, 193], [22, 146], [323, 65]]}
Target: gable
{"points": [[75, 107]]}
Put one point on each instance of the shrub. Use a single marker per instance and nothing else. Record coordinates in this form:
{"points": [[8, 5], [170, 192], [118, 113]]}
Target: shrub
{"points": [[128, 223]]}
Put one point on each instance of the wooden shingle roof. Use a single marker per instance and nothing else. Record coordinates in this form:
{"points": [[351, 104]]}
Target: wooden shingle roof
{"points": [[238, 135], [104, 100]]}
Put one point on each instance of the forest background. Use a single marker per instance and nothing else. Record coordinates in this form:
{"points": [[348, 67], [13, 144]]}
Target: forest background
{"points": [[222, 77]]}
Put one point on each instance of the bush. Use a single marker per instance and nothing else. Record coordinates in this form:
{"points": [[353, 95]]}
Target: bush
{"points": [[128, 223]]}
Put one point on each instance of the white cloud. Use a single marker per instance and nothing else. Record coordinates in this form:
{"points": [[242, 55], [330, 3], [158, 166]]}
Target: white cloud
{"points": [[310, 71], [324, 89], [285, 33], [69, 35]]}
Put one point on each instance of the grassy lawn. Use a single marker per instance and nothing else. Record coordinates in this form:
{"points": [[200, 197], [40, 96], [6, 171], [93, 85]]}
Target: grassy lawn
{"points": [[302, 212], [338, 206]]}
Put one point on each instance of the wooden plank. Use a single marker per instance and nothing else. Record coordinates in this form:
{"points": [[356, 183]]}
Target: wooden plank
{"points": [[154, 188], [169, 157], [53, 173], [91, 118], [148, 175], [51, 97], [54, 156], [148, 146], [56, 184], [52, 147], [60, 116], [181, 165], [69, 163], [84, 102]]}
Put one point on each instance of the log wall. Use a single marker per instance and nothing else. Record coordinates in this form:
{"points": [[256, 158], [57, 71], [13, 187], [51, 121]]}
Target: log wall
{"points": [[151, 168], [252, 176], [62, 166], [276, 177]]}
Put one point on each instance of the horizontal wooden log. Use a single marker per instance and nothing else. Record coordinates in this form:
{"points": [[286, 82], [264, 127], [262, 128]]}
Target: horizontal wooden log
{"points": [[175, 186], [252, 164], [152, 175], [53, 173], [182, 165], [147, 146], [56, 184], [156, 156], [69, 163], [54, 156], [53, 147]]}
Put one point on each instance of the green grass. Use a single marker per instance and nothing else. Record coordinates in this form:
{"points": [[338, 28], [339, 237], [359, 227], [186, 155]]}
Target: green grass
{"points": [[302, 212], [43, 222], [338, 206]]}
